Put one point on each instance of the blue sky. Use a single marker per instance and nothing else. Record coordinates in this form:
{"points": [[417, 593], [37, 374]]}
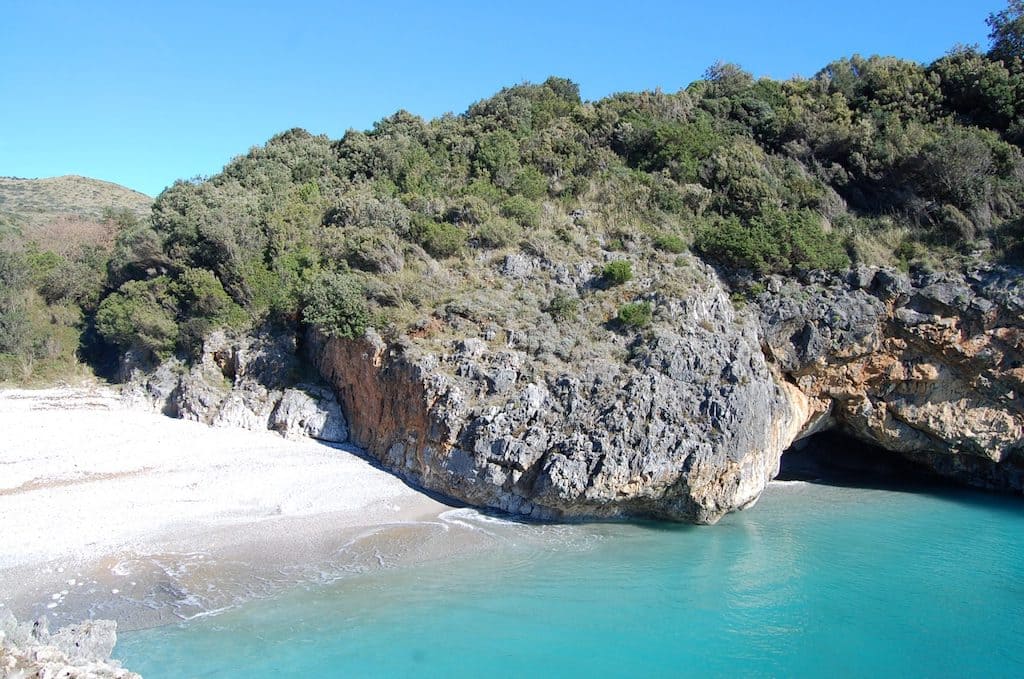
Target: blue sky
{"points": [[143, 93]]}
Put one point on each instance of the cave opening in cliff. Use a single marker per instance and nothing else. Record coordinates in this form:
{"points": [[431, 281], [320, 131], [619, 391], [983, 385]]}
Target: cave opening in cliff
{"points": [[836, 458]]}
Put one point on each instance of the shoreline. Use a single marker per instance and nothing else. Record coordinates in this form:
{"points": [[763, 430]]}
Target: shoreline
{"points": [[116, 512]]}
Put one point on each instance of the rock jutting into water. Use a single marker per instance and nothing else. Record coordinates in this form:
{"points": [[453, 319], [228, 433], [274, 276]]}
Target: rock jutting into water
{"points": [[927, 366], [692, 424], [689, 426], [82, 650]]}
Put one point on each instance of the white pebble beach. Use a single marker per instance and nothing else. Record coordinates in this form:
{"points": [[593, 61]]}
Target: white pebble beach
{"points": [[88, 484]]}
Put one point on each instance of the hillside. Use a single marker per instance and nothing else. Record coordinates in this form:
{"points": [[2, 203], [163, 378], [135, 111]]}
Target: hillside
{"points": [[62, 213], [56, 236], [35, 201], [630, 306]]}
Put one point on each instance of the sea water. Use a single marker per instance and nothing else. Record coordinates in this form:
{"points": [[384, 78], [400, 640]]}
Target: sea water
{"points": [[813, 581]]}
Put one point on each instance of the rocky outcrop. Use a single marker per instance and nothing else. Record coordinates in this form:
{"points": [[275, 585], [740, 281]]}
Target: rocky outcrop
{"points": [[691, 423], [929, 366], [685, 419], [688, 425], [254, 382], [77, 651]]}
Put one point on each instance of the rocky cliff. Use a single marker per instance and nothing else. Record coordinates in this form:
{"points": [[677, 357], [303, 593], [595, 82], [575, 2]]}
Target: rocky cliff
{"points": [[250, 381], [690, 427], [685, 418], [928, 366], [690, 422]]}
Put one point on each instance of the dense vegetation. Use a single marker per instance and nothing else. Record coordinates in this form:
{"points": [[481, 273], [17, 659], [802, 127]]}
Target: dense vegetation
{"points": [[875, 160], [51, 283]]}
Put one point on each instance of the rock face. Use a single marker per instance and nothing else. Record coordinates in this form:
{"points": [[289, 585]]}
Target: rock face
{"points": [[83, 650], [928, 366], [692, 422], [685, 419], [689, 425], [247, 382]]}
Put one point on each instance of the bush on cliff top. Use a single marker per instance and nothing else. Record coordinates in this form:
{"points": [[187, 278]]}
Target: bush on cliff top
{"points": [[335, 303]]}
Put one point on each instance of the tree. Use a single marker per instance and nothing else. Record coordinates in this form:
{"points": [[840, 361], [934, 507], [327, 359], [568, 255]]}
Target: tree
{"points": [[983, 91], [335, 303], [14, 326], [142, 314], [1007, 32]]}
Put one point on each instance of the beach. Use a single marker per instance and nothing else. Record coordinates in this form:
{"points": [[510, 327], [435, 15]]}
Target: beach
{"points": [[113, 511]]}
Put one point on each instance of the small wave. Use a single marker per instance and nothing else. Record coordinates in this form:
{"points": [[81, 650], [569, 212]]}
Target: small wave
{"points": [[789, 484], [468, 513], [209, 613], [471, 519]]}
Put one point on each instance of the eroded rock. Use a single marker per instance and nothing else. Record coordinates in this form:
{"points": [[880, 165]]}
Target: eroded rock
{"points": [[82, 650], [688, 426], [926, 366], [248, 382]]}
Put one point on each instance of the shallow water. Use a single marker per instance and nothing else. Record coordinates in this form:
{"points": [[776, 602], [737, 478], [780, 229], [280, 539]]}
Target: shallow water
{"points": [[814, 580]]}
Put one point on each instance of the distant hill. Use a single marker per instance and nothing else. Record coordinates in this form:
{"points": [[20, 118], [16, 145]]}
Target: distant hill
{"points": [[67, 210]]}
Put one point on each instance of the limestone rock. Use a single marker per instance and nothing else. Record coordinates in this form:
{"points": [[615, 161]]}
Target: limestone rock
{"points": [[688, 426], [493, 401], [81, 651], [247, 382], [926, 366], [310, 412]]}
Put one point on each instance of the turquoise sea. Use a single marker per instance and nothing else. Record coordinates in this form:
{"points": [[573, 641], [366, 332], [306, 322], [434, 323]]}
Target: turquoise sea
{"points": [[813, 581]]}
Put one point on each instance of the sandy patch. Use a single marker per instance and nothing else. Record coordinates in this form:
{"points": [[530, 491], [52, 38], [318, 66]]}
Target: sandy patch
{"points": [[96, 493]]}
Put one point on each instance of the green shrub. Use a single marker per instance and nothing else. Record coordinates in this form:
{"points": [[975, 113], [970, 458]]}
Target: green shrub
{"points": [[141, 314], [773, 242], [483, 188], [336, 304], [201, 295], [670, 243], [15, 330], [908, 250], [440, 238], [636, 314], [497, 232], [530, 183], [1009, 242], [618, 272], [522, 210], [374, 250], [563, 307]]}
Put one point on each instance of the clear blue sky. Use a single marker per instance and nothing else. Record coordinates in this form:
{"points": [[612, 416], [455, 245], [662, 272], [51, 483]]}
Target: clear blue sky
{"points": [[146, 92]]}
